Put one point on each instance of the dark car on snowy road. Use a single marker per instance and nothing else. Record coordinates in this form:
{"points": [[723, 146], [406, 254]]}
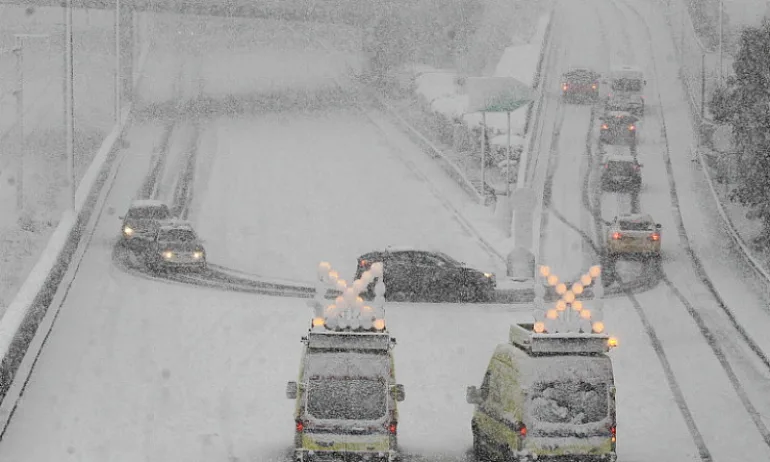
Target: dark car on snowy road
{"points": [[618, 127], [175, 246], [418, 275], [142, 221], [580, 84]]}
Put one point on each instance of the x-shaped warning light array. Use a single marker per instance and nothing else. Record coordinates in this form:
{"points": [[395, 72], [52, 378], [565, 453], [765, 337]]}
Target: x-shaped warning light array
{"points": [[568, 313], [348, 311]]}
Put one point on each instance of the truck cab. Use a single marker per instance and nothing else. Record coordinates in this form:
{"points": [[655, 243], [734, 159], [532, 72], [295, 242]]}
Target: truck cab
{"points": [[546, 396], [626, 90], [346, 397]]}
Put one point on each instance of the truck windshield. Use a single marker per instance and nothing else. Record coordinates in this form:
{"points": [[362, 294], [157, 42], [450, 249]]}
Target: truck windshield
{"points": [[631, 85], [347, 398], [573, 402]]}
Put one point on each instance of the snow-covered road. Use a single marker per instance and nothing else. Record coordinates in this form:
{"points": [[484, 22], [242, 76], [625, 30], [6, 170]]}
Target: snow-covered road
{"points": [[142, 370], [717, 379]]}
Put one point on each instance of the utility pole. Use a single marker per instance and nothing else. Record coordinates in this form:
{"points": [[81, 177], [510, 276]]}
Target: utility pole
{"points": [[703, 86], [721, 45], [118, 79], [19, 51], [69, 101]]}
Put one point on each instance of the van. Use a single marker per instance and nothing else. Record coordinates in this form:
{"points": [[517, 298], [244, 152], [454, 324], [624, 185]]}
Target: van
{"points": [[546, 396], [626, 90], [346, 397]]}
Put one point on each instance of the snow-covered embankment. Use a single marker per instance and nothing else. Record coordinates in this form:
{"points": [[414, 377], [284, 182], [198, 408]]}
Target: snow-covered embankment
{"points": [[47, 283]]}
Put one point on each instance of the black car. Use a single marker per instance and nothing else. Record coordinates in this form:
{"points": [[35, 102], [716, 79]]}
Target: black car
{"points": [[621, 172], [580, 84], [417, 275], [142, 221], [618, 127], [175, 246]]}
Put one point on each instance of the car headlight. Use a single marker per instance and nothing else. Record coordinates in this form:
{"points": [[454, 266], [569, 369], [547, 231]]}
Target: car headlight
{"points": [[128, 231], [198, 255], [168, 255], [489, 275]]}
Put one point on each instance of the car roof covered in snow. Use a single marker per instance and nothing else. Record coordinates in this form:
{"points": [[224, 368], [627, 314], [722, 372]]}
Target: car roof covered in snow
{"points": [[619, 157], [139, 203], [176, 224], [636, 218], [624, 69], [619, 114]]}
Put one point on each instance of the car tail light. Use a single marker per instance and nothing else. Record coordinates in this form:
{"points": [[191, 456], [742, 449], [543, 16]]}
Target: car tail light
{"points": [[605, 127], [593, 87], [393, 428], [631, 127], [654, 237], [300, 426], [613, 432], [523, 430], [564, 86], [616, 235]]}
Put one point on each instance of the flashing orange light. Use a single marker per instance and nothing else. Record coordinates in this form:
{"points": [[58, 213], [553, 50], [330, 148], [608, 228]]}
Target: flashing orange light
{"points": [[359, 300], [612, 342], [569, 297], [598, 327], [577, 288], [655, 236], [379, 324], [586, 279], [553, 280], [561, 288], [561, 305], [545, 271], [318, 322], [577, 305], [539, 327], [631, 128], [551, 314], [334, 275], [595, 271], [585, 314]]}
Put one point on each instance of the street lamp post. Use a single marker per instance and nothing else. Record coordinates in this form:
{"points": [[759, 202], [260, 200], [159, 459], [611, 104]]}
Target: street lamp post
{"points": [[721, 8], [69, 101], [19, 51]]}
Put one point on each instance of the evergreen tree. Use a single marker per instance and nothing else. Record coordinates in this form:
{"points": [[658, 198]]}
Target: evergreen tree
{"points": [[745, 105]]}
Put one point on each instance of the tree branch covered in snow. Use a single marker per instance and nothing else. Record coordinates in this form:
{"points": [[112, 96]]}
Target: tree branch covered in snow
{"points": [[744, 104]]}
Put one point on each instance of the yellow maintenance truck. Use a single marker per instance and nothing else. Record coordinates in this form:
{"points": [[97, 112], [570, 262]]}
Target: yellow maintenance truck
{"points": [[346, 395], [546, 396]]}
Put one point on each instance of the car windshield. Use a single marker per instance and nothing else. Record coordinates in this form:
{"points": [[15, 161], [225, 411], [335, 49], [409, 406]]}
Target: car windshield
{"points": [[177, 235], [636, 225], [148, 213], [347, 398], [572, 402], [616, 167], [627, 85]]}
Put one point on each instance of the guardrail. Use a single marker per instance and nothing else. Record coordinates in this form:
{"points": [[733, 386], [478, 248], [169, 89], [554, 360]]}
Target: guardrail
{"points": [[434, 151], [19, 325], [758, 268]]}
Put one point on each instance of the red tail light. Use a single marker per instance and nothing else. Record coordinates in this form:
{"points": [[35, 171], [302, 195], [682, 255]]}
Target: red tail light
{"points": [[631, 127], [614, 435], [363, 263], [655, 236], [300, 426], [564, 86], [523, 430], [616, 235], [393, 428], [605, 127]]}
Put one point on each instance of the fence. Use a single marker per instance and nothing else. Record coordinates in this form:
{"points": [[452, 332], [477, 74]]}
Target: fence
{"points": [[699, 65]]}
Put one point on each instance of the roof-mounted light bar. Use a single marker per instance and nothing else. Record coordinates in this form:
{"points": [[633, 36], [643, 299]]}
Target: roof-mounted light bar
{"points": [[523, 336], [569, 314], [348, 312]]}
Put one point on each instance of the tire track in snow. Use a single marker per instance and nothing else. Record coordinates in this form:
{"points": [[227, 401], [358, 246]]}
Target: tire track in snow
{"points": [[697, 264]]}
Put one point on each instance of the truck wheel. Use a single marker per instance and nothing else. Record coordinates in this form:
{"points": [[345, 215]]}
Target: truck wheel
{"points": [[479, 453]]}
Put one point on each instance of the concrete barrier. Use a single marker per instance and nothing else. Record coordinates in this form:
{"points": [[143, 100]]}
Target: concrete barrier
{"points": [[19, 325]]}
